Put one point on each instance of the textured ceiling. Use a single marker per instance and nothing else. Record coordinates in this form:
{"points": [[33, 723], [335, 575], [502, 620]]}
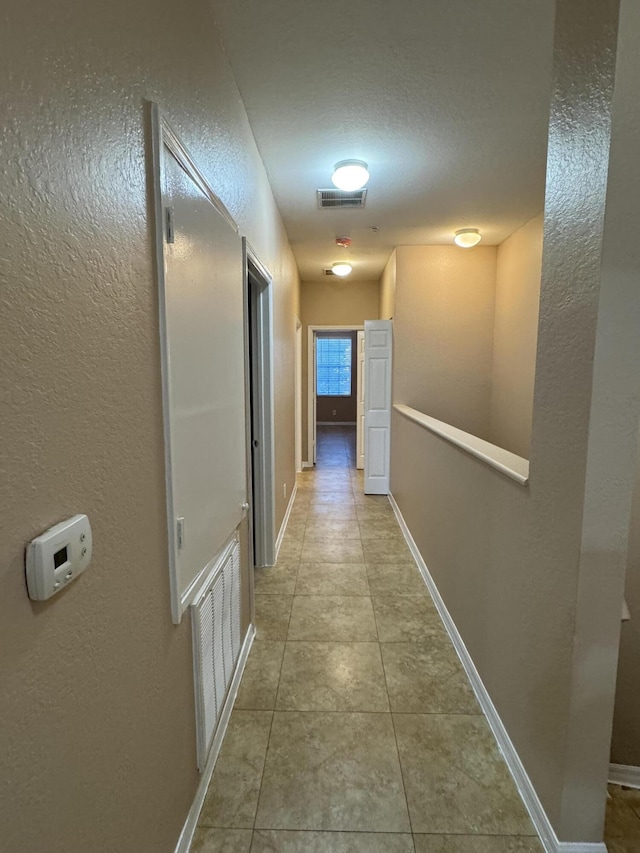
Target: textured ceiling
{"points": [[446, 100]]}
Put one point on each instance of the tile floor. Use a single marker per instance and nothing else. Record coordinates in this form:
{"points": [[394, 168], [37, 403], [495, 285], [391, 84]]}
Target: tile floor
{"points": [[622, 825], [355, 730]]}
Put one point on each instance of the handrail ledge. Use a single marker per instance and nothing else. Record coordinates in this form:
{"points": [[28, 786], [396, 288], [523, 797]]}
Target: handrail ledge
{"points": [[502, 460]]}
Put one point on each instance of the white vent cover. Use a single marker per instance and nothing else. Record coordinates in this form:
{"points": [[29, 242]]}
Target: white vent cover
{"points": [[215, 617], [341, 199]]}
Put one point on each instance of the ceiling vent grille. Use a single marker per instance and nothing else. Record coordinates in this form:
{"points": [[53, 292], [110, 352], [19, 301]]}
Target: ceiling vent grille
{"points": [[341, 199], [328, 271]]}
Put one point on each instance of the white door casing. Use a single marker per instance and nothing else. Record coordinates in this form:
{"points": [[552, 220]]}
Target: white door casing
{"points": [[298, 397], [377, 406], [360, 406]]}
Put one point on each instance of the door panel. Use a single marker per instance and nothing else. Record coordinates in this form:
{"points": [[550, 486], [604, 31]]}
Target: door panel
{"points": [[377, 406], [360, 411]]}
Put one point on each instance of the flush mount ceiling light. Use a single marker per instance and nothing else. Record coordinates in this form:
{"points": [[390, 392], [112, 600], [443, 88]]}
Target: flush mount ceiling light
{"points": [[350, 175], [342, 268], [467, 237]]}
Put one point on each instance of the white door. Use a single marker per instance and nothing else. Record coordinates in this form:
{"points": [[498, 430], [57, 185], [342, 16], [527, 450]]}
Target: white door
{"points": [[360, 411], [314, 457], [377, 406]]}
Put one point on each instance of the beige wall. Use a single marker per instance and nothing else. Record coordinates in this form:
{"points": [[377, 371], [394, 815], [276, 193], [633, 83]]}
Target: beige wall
{"points": [[533, 577], [388, 289], [625, 744], [518, 272], [443, 333], [332, 303], [96, 694]]}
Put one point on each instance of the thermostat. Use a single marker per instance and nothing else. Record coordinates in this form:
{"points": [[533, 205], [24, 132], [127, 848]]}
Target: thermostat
{"points": [[58, 556]]}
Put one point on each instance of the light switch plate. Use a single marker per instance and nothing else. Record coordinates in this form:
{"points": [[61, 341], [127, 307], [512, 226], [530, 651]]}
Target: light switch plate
{"points": [[57, 557]]}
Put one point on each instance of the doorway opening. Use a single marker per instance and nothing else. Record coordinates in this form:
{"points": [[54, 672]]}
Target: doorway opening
{"points": [[258, 300], [335, 385]]}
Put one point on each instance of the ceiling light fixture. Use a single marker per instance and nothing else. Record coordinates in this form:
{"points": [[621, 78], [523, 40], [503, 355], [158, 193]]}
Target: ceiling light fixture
{"points": [[467, 237], [342, 268], [350, 175]]}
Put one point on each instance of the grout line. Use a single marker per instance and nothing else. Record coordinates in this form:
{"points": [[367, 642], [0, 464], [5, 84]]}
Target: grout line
{"points": [[395, 738], [264, 764]]}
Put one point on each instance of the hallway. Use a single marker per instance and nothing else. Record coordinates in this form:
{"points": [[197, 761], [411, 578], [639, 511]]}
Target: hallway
{"points": [[355, 730]]}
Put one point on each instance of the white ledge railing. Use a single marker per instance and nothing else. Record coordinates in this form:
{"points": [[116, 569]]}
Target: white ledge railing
{"points": [[502, 460]]}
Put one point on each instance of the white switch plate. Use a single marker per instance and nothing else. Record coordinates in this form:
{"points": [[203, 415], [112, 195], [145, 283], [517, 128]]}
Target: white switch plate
{"points": [[58, 556]]}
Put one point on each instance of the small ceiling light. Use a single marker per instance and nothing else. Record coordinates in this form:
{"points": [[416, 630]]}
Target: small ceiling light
{"points": [[344, 242], [341, 268], [467, 237], [350, 175]]}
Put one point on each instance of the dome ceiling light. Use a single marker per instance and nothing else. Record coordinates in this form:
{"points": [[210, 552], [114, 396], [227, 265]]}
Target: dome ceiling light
{"points": [[350, 175], [467, 237], [342, 268]]}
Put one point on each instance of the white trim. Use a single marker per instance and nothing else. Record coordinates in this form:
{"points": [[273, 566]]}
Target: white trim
{"points": [[181, 153], [262, 516], [194, 589], [285, 520], [157, 156], [502, 460], [528, 793], [298, 395], [307, 465], [336, 423], [188, 830], [624, 774]]}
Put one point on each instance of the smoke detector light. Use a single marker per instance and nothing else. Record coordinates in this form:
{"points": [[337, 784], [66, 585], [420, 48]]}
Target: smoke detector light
{"points": [[350, 175], [341, 268], [467, 237]]}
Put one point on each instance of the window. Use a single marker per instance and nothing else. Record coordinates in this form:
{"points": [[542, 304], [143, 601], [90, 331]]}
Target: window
{"points": [[333, 367]]}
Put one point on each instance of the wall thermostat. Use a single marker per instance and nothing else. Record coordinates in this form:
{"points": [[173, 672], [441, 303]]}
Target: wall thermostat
{"points": [[58, 556]]}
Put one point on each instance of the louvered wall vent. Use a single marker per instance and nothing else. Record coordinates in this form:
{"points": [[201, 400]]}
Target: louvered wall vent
{"points": [[337, 199], [216, 644]]}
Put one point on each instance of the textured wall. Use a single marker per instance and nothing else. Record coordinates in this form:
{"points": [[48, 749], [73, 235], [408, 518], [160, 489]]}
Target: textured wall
{"points": [[515, 337], [332, 303], [443, 341], [533, 576], [96, 699]]}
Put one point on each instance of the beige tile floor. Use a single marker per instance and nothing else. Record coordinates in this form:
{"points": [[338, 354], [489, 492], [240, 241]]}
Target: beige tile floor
{"points": [[622, 825], [355, 729]]}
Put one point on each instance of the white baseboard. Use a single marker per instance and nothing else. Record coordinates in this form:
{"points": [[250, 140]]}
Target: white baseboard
{"points": [[530, 798], [285, 520], [307, 465], [624, 774], [189, 828]]}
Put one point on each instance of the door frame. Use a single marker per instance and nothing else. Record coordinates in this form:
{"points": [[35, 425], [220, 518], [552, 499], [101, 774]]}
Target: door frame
{"points": [[311, 381], [298, 397], [258, 285]]}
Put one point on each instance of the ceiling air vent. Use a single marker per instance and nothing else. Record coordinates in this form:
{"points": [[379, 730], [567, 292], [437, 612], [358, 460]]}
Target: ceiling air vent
{"points": [[328, 271], [341, 199]]}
